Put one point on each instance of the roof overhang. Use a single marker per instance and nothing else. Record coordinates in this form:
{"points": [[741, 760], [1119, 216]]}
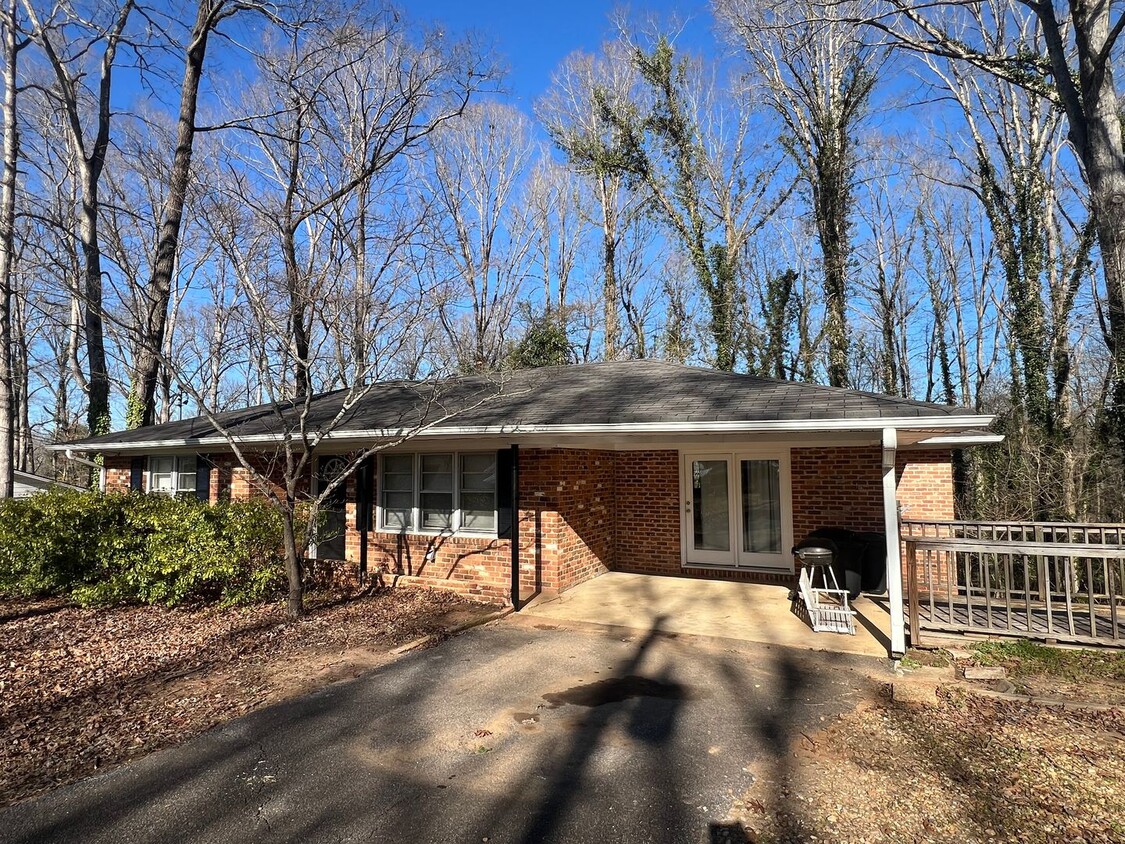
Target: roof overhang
{"points": [[947, 431]]}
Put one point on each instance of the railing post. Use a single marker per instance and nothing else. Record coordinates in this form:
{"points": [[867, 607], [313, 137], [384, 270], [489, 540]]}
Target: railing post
{"points": [[912, 594]]}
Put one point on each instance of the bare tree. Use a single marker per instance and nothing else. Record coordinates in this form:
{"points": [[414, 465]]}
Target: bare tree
{"points": [[482, 236], [152, 323], [67, 54], [13, 43], [819, 72], [887, 259], [1069, 61], [684, 144], [577, 123], [401, 86]]}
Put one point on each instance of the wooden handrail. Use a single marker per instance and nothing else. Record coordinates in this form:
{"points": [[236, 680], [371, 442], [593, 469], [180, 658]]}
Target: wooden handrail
{"points": [[1046, 549]]}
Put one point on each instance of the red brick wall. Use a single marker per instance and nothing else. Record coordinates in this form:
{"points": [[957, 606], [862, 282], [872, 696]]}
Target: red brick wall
{"points": [[836, 487], [567, 531], [925, 484], [584, 512], [118, 471], [580, 490], [843, 487], [648, 512]]}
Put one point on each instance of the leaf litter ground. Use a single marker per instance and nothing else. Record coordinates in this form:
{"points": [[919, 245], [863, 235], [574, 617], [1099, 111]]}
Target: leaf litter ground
{"points": [[84, 689]]}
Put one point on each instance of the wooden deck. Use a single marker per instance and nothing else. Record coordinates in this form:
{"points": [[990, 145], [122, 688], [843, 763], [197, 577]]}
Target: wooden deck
{"points": [[1004, 621], [1045, 581]]}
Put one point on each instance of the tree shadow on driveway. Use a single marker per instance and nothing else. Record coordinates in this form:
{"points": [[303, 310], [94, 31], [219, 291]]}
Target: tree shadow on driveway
{"points": [[638, 739]]}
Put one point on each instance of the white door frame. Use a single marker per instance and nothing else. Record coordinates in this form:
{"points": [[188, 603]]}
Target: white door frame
{"points": [[726, 558], [737, 558]]}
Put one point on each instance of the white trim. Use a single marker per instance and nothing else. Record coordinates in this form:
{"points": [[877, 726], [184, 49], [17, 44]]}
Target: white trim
{"points": [[894, 554], [959, 440], [737, 558], [416, 529], [174, 475], [924, 424]]}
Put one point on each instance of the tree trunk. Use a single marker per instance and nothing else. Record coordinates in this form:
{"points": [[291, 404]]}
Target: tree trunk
{"points": [[142, 397], [609, 292], [832, 206], [294, 567], [7, 245], [1095, 131]]}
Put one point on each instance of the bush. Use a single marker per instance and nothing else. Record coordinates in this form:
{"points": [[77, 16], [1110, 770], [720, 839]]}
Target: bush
{"points": [[152, 549]]}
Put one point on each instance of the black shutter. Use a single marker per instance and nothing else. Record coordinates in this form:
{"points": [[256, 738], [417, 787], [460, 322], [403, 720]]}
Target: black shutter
{"points": [[365, 494], [203, 477], [504, 493], [137, 474]]}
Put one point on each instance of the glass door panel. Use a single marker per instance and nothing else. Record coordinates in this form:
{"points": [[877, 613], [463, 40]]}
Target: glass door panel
{"points": [[710, 511], [761, 506]]}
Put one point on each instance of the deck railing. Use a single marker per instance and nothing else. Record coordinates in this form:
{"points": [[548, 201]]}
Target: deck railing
{"points": [[1042, 580]]}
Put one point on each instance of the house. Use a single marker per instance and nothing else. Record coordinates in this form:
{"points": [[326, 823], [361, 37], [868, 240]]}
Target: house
{"points": [[640, 466], [27, 484]]}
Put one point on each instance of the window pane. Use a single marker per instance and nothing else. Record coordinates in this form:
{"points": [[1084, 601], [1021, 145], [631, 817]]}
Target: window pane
{"points": [[437, 473], [185, 478], [478, 511], [398, 472], [396, 488], [761, 506], [397, 510], [437, 510], [710, 509], [160, 474], [478, 492], [478, 471]]}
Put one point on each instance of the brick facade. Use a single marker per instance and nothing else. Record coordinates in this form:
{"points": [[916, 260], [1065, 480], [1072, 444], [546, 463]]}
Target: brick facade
{"points": [[584, 512]]}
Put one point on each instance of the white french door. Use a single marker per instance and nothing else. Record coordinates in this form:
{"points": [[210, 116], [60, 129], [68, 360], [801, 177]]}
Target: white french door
{"points": [[737, 510]]}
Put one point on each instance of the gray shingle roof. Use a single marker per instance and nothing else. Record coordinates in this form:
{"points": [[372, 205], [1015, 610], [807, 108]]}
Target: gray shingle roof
{"points": [[646, 393]]}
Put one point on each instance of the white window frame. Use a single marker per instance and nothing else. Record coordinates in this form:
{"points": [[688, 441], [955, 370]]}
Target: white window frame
{"points": [[737, 557], [176, 471], [456, 528]]}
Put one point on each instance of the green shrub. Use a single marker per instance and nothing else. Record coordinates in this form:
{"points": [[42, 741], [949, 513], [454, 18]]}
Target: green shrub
{"points": [[152, 549]]}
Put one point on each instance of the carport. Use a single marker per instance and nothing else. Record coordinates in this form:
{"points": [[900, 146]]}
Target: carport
{"points": [[689, 606]]}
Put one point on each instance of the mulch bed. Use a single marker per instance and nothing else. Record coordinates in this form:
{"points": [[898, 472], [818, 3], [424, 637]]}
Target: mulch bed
{"points": [[971, 769], [82, 689]]}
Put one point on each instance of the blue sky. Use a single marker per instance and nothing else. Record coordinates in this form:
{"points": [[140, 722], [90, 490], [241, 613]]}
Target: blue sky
{"points": [[534, 37]]}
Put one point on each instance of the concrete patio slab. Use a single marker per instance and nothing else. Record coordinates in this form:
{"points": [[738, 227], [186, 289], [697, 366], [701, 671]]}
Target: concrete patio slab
{"points": [[749, 612]]}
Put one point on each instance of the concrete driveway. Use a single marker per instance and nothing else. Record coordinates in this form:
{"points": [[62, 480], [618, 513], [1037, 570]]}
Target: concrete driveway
{"points": [[515, 732]]}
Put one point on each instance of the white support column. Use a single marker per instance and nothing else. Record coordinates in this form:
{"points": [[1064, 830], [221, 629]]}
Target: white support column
{"points": [[894, 553]]}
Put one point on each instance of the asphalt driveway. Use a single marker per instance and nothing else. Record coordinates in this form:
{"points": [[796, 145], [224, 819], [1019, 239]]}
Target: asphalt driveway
{"points": [[514, 732]]}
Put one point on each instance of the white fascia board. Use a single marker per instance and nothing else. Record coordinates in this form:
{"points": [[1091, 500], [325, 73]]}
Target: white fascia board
{"points": [[957, 440], [947, 423]]}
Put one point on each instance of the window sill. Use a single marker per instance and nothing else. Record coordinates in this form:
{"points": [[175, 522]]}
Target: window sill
{"points": [[437, 534]]}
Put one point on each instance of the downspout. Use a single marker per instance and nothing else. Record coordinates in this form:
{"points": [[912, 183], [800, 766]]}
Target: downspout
{"points": [[894, 550], [70, 455], [515, 527]]}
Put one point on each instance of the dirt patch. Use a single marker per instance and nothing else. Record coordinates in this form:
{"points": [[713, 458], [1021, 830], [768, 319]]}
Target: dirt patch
{"points": [[1066, 674], [83, 689], [971, 769]]}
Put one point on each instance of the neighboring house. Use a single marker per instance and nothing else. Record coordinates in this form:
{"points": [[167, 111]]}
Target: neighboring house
{"points": [[28, 484], [639, 466]]}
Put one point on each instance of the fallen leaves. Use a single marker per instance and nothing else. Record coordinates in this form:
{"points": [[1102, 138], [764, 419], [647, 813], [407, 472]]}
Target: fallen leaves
{"points": [[971, 769], [81, 689]]}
